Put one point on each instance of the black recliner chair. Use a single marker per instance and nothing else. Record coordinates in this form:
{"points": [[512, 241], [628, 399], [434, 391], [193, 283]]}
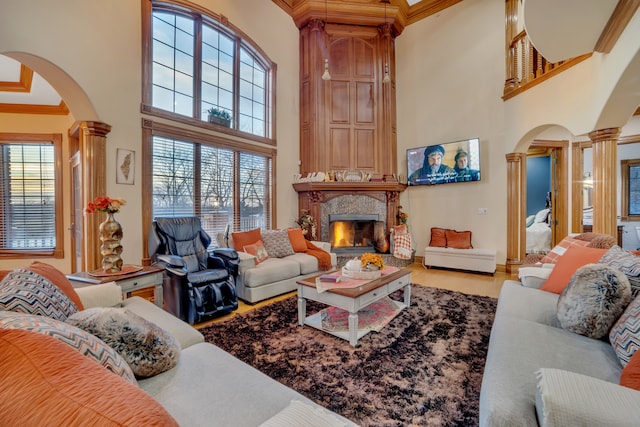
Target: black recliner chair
{"points": [[201, 284]]}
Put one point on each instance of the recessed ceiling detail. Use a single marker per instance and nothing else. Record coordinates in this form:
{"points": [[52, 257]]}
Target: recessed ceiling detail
{"points": [[24, 91]]}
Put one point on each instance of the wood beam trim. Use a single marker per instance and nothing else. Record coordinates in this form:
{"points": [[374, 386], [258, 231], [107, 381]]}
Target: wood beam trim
{"points": [[622, 14], [57, 110]]}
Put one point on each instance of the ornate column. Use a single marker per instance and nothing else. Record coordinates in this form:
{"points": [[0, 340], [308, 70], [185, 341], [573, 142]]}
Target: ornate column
{"points": [[605, 163], [92, 140], [516, 210]]}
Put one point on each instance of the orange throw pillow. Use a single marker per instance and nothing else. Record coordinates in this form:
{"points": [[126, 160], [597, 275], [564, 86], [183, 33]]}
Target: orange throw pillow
{"points": [[245, 238], [46, 382], [438, 237], [574, 258], [59, 279], [258, 250], [630, 376], [558, 250], [458, 239], [4, 273], [298, 242]]}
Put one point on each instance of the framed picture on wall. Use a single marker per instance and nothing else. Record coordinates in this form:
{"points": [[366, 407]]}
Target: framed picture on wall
{"points": [[125, 166]]}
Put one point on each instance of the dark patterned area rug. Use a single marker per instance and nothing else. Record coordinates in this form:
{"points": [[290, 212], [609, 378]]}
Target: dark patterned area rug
{"points": [[424, 368]]}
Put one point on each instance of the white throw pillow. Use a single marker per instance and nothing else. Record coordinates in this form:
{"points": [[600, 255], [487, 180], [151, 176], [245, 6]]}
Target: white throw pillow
{"points": [[541, 216]]}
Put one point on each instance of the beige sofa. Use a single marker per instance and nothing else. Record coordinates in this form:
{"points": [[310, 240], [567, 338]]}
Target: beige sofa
{"points": [[206, 387], [273, 276], [209, 386]]}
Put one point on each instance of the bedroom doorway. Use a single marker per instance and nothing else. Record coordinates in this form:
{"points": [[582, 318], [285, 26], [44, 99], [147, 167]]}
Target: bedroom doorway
{"points": [[547, 184]]}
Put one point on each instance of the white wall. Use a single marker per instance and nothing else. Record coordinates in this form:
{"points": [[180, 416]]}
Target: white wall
{"points": [[450, 77], [97, 44]]}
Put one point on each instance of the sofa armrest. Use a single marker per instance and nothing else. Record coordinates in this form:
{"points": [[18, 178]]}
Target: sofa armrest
{"points": [[565, 398], [103, 295], [325, 246], [247, 261], [534, 277]]}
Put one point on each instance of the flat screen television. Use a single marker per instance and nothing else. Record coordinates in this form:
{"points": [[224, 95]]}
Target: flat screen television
{"points": [[456, 161]]}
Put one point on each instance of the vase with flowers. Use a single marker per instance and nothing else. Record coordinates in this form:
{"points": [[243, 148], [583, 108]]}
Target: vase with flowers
{"points": [[110, 232]]}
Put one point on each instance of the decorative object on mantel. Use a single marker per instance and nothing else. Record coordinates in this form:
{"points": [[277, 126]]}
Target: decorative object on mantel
{"points": [[110, 232], [402, 216], [308, 225], [219, 116], [311, 177]]}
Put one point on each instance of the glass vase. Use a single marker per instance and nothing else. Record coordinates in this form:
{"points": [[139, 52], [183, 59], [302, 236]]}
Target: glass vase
{"points": [[110, 236]]}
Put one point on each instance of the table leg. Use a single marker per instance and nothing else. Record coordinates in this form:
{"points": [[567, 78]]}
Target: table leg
{"points": [[158, 296], [353, 329], [302, 310], [407, 295]]}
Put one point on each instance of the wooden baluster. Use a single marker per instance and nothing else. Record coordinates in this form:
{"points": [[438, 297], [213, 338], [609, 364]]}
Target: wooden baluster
{"points": [[539, 69], [523, 65], [530, 63]]}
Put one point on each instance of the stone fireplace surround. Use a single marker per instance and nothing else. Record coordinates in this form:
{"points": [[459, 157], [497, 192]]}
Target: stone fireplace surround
{"points": [[322, 199]]}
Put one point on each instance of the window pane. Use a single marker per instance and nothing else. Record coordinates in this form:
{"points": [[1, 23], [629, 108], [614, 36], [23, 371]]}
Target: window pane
{"points": [[217, 189], [27, 186], [255, 191], [172, 46], [173, 180], [634, 190]]}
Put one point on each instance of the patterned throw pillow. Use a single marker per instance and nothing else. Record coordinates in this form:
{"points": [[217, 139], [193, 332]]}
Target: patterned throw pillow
{"points": [[145, 346], [258, 251], [625, 334], [554, 255], [28, 292], [626, 262], [593, 300], [88, 345], [277, 243]]}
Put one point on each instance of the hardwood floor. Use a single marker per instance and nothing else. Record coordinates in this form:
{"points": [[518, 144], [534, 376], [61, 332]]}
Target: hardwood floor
{"points": [[469, 283]]}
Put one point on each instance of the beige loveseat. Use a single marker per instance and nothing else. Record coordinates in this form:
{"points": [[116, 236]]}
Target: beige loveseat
{"points": [[207, 386], [276, 275]]}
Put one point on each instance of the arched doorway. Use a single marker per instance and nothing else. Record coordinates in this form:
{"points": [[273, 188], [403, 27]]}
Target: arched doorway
{"points": [[86, 156]]}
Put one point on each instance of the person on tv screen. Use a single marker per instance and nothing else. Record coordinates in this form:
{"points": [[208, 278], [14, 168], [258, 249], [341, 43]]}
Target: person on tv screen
{"points": [[432, 170], [463, 172]]}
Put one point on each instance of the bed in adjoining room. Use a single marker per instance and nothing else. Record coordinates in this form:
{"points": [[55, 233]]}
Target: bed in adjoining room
{"points": [[538, 232]]}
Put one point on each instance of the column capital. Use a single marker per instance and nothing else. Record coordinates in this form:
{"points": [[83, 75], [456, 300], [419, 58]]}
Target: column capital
{"points": [[515, 157], [604, 134]]}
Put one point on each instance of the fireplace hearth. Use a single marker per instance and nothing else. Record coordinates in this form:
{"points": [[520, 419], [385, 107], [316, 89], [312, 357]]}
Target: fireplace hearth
{"points": [[354, 234], [372, 205]]}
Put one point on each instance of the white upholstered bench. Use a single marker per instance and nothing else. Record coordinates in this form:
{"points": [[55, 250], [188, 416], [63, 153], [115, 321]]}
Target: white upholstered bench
{"points": [[481, 260]]}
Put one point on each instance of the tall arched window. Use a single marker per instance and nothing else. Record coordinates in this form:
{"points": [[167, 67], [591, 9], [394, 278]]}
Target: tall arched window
{"points": [[200, 70], [199, 67]]}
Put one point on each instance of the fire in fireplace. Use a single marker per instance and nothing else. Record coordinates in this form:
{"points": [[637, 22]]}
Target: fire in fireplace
{"points": [[354, 234]]}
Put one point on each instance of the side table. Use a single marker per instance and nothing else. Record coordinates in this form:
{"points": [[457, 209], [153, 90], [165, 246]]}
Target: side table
{"points": [[145, 278]]}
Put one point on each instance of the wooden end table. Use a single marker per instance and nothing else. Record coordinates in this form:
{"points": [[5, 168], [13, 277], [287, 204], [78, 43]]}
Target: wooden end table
{"points": [[351, 300], [147, 277]]}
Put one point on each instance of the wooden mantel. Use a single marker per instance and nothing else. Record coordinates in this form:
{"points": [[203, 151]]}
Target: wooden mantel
{"points": [[311, 196]]}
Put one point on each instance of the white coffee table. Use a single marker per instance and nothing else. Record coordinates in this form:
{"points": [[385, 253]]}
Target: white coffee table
{"points": [[351, 300]]}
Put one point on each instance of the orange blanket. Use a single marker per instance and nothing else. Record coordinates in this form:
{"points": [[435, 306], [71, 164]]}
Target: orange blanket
{"points": [[324, 258]]}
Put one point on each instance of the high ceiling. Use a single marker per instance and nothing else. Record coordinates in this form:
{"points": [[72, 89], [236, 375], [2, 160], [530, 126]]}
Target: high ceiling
{"points": [[24, 91]]}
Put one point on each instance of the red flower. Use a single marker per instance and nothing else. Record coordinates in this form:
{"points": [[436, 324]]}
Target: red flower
{"points": [[104, 204]]}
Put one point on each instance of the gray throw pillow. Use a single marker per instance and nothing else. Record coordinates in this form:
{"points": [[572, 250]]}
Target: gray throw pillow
{"points": [[594, 299], [277, 243], [145, 346]]}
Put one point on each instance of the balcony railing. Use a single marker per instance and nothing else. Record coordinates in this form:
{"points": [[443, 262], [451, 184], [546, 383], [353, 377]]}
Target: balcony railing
{"points": [[526, 67]]}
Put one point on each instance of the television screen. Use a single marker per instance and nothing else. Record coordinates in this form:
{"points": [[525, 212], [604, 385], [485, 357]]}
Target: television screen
{"points": [[457, 161]]}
